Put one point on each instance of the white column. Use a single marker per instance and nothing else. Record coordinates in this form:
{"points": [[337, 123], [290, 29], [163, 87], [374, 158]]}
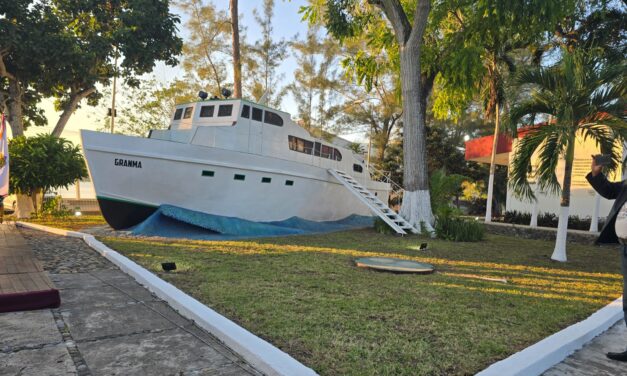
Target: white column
{"points": [[594, 221]]}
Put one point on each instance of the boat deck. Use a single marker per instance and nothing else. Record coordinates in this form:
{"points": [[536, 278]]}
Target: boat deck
{"points": [[24, 285]]}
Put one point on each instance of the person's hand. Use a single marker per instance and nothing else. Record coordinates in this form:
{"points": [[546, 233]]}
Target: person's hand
{"points": [[596, 169]]}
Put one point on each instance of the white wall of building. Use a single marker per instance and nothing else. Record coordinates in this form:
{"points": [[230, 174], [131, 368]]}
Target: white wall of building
{"points": [[582, 195]]}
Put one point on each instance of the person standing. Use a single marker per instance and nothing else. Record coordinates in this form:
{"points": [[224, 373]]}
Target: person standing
{"points": [[615, 229]]}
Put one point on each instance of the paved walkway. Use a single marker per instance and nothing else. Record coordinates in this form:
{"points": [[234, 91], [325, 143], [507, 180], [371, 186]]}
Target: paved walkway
{"points": [[107, 324], [591, 359]]}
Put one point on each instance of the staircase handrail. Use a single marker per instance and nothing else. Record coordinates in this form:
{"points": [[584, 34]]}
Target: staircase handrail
{"points": [[396, 188]]}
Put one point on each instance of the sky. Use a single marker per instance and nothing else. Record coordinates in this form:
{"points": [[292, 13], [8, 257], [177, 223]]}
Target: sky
{"points": [[287, 23]]}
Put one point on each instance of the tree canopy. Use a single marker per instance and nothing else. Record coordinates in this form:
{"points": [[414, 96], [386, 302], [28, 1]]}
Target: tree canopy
{"points": [[44, 162], [64, 48]]}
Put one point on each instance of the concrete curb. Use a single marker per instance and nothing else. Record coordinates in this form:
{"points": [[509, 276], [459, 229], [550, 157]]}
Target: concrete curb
{"points": [[259, 353], [539, 357]]}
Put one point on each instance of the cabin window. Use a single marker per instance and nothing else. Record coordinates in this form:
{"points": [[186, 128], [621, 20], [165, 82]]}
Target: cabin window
{"points": [[257, 114], [239, 177], [266, 180], [337, 155], [289, 182], [300, 145], [317, 149], [207, 173], [246, 111], [272, 118], [225, 110], [358, 168], [178, 113], [188, 113], [206, 111], [326, 152]]}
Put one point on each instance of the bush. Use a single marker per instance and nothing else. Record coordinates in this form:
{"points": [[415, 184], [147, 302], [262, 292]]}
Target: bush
{"points": [[549, 220], [53, 207], [382, 228], [458, 229]]}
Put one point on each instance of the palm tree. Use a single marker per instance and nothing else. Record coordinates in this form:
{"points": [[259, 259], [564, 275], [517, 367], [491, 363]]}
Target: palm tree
{"points": [[583, 97]]}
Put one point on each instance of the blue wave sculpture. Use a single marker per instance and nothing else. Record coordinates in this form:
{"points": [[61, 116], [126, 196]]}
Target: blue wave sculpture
{"points": [[175, 222]]}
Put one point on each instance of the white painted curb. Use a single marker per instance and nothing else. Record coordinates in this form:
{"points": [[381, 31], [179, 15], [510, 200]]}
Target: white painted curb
{"points": [[539, 357], [259, 353]]}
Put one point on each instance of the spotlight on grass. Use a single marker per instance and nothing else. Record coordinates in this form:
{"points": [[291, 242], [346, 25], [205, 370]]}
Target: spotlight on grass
{"points": [[423, 247], [168, 266]]}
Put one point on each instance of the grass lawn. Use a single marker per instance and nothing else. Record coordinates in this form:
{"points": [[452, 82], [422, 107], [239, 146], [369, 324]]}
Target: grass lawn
{"points": [[303, 294], [70, 222]]}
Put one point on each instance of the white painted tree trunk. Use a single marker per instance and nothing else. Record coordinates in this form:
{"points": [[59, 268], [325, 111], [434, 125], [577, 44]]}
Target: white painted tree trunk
{"points": [[24, 207], [594, 221], [488, 205], [495, 143], [534, 214], [559, 253], [416, 209], [416, 206]]}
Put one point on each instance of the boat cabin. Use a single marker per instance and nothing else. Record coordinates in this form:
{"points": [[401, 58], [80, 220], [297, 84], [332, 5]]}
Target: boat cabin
{"points": [[248, 127]]}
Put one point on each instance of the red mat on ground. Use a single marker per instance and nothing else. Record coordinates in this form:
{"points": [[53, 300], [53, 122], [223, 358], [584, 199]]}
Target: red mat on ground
{"points": [[24, 285]]}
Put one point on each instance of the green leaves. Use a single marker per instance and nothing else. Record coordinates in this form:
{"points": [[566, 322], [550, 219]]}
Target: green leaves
{"points": [[43, 162], [585, 98]]}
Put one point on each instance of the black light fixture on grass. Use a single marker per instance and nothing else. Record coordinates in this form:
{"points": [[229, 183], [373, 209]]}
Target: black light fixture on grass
{"points": [[168, 266], [423, 247]]}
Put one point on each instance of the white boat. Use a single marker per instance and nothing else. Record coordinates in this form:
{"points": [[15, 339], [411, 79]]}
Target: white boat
{"points": [[228, 157]]}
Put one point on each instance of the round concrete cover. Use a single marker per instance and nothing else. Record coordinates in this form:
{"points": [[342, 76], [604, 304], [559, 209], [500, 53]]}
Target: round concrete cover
{"points": [[394, 265]]}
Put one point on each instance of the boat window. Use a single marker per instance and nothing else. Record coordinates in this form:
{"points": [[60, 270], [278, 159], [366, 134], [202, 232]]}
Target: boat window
{"points": [[300, 145], [207, 173], [289, 182], [358, 168], [206, 111], [317, 149], [337, 155], [178, 113], [266, 180], [225, 110], [272, 118], [239, 177], [326, 152], [257, 113], [188, 113], [246, 111]]}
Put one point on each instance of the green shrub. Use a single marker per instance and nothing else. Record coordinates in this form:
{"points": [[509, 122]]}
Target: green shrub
{"points": [[382, 228], [458, 229], [549, 220], [53, 207]]}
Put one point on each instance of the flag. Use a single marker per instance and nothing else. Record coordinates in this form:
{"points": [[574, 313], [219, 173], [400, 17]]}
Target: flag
{"points": [[4, 159]]}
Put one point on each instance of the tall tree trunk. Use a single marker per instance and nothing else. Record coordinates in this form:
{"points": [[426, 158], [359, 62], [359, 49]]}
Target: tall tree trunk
{"points": [[15, 117], [237, 64], [416, 207], [69, 108], [488, 210], [559, 253]]}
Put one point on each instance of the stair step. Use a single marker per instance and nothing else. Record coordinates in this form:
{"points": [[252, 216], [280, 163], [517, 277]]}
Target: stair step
{"points": [[378, 207]]}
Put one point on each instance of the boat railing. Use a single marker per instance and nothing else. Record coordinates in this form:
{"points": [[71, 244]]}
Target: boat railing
{"points": [[395, 197]]}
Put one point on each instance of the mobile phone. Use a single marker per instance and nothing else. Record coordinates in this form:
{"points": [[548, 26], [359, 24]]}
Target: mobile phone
{"points": [[602, 159]]}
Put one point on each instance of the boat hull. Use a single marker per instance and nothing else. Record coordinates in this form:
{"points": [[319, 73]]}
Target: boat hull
{"points": [[133, 176]]}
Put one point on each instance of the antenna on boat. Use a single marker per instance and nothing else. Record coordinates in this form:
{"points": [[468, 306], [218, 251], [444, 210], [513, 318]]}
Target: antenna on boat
{"points": [[264, 98]]}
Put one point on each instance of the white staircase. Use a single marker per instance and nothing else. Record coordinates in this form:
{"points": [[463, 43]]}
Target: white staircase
{"points": [[395, 221]]}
